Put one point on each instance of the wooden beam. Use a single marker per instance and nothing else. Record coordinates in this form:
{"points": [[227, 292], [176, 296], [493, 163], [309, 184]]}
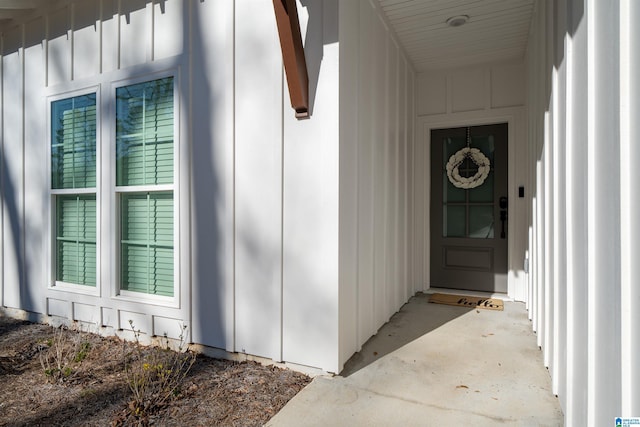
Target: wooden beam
{"points": [[295, 65]]}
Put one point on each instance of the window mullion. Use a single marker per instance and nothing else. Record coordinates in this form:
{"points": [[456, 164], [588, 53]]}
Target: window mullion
{"points": [[77, 238], [73, 138], [144, 136], [148, 242]]}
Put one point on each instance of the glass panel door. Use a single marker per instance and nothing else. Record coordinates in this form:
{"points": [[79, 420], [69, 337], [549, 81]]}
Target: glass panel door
{"points": [[468, 212]]}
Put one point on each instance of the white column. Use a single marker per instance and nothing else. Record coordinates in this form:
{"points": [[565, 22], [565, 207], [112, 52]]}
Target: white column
{"points": [[604, 213], [559, 241], [630, 205], [577, 195]]}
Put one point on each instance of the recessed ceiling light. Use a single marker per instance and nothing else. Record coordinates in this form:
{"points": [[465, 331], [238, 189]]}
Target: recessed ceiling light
{"points": [[457, 21]]}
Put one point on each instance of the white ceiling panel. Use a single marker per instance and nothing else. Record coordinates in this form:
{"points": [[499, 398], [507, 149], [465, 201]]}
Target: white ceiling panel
{"points": [[497, 30]]}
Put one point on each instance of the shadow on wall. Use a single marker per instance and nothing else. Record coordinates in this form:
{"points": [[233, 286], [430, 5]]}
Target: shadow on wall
{"points": [[208, 203], [19, 235], [577, 18], [11, 210], [314, 40]]}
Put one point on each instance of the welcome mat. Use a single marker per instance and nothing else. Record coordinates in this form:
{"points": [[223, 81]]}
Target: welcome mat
{"points": [[468, 301]]}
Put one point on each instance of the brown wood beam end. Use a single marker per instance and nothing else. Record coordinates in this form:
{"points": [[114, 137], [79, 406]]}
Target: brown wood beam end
{"points": [[295, 64]]}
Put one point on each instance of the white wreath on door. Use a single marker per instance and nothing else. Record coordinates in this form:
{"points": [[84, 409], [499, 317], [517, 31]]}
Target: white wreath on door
{"points": [[476, 156]]}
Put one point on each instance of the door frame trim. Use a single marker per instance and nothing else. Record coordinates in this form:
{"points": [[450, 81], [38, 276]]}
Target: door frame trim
{"points": [[518, 213]]}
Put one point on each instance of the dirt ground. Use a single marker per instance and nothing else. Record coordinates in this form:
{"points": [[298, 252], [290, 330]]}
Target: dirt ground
{"points": [[92, 385]]}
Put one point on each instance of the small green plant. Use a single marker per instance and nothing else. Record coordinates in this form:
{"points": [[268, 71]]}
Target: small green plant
{"points": [[155, 376], [62, 355], [83, 352]]}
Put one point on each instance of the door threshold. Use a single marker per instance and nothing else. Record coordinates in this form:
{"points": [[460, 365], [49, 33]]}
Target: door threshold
{"points": [[480, 294]]}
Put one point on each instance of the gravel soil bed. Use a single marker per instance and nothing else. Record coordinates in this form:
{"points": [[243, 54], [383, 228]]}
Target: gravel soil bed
{"points": [[92, 388]]}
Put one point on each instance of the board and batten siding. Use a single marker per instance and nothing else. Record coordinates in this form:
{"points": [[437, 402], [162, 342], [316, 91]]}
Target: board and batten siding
{"points": [[376, 174], [65, 48], [583, 112], [270, 208], [286, 191]]}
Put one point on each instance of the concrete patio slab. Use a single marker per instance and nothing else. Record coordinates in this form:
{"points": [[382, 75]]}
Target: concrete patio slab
{"points": [[434, 365]]}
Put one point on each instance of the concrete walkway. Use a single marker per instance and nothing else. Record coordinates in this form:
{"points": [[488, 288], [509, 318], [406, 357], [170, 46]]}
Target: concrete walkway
{"points": [[436, 365]]}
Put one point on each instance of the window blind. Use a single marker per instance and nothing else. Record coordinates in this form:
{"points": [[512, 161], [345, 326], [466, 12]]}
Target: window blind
{"points": [[73, 149], [147, 242], [76, 239], [144, 156], [144, 123], [73, 166]]}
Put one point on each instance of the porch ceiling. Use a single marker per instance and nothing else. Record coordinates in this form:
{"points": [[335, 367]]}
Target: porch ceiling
{"points": [[12, 10], [497, 30]]}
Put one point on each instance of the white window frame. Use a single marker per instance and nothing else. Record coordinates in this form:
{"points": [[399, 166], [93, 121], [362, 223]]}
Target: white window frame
{"points": [[51, 230], [115, 192], [108, 210]]}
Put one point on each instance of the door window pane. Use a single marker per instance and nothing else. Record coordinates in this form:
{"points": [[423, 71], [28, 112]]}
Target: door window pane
{"points": [[451, 193], [455, 221], [470, 215], [481, 223], [485, 144], [484, 192], [451, 146]]}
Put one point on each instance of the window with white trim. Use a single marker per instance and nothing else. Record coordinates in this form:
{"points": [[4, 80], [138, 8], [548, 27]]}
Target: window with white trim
{"points": [[139, 166], [73, 189], [145, 186]]}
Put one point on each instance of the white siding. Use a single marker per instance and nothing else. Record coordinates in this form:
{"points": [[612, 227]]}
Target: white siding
{"points": [[168, 14], [135, 33], [349, 174], [35, 191], [583, 115], [12, 170], [413, 284], [86, 39], [575, 402], [69, 48], [58, 47], [365, 184], [376, 133], [259, 199], [310, 203], [259, 139], [294, 235], [109, 38], [211, 126], [380, 175], [630, 204]]}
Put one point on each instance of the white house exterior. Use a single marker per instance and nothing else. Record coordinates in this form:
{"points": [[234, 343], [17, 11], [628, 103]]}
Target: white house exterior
{"points": [[153, 171], [583, 65]]}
